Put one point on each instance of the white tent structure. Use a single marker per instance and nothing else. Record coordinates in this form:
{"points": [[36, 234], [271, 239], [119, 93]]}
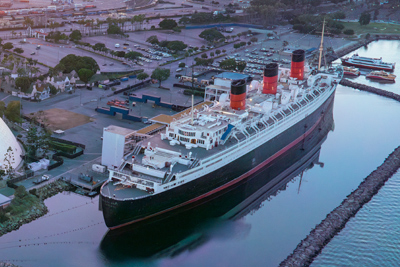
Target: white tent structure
{"points": [[7, 140]]}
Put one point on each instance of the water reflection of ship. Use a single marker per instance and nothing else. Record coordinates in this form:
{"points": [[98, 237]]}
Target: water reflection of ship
{"points": [[166, 237]]}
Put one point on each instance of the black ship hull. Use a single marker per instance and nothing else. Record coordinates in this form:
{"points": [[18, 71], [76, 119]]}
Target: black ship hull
{"points": [[298, 139]]}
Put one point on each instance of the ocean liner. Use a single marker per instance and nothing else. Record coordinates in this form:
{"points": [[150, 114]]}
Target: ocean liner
{"points": [[208, 152], [179, 233]]}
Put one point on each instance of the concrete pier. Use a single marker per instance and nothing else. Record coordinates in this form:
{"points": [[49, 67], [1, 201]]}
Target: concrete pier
{"points": [[335, 221]]}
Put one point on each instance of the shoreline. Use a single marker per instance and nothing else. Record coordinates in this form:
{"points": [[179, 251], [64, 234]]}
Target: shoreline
{"points": [[36, 211]]}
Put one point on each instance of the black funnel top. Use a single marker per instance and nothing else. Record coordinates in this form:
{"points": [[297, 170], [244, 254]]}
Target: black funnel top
{"points": [[238, 87], [271, 70], [298, 55]]}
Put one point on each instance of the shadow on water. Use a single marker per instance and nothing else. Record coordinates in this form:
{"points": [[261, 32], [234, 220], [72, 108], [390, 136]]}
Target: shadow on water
{"points": [[219, 218]]}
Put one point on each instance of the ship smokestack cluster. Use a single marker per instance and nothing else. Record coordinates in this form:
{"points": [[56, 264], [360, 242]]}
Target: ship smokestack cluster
{"points": [[297, 66], [238, 94], [270, 79]]}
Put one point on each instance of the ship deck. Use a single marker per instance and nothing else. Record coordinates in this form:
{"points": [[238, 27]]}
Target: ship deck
{"points": [[122, 192]]}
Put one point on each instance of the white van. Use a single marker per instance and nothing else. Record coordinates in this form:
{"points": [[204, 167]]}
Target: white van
{"points": [[116, 45], [178, 69]]}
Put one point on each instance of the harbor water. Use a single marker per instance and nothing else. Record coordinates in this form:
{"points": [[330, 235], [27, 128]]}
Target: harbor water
{"points": [[365, 132]]}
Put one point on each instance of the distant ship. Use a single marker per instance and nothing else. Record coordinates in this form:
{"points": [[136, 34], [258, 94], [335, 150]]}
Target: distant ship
{"points": [[381, 75], [367, 63], [351, 71], [242, 133]]}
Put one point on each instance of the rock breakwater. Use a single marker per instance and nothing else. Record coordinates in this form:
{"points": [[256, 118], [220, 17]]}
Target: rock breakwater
{"points": [[370, 89], [335, 221]]}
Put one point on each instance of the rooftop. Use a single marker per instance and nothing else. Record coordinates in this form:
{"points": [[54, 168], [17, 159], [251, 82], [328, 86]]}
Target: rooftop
{"points": [[118, 130], [232, 76]]}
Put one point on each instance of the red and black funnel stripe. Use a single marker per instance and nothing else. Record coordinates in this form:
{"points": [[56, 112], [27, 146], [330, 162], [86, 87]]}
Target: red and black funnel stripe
{"points": [[271, 70], [298, 55], [238, 87]]}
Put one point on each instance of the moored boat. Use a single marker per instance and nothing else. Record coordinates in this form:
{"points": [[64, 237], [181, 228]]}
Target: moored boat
{"points": [[381, 75], [351, 71], [367, 63]]}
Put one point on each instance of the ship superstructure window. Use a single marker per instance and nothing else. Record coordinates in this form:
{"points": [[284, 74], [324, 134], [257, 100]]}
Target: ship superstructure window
{"points": [[187, 133], [184, 139], [200, 141], [171, 135]]}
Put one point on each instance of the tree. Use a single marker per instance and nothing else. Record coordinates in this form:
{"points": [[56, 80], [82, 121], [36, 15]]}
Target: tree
{"points": [[211, 54], [285, 43], [133, 55], [8, 46], [348, 31], [75, 35], [181, 65], [114, 29], [176, 45], [217, 52], [204, 55], [9, 160], [120, 53], [20, 192], [184, 20], [240, 65], [85, 75], [365, 18], [142, 76], [99, 47], [53, 89], [72, 62], [18, 50], [12, 112], [28, 22], [228, 64], [254, 39], [160, 74], [23, 83], [36, 140], [203, 61], [152, 39], [168, 24], [2, 108], [210, 35]]}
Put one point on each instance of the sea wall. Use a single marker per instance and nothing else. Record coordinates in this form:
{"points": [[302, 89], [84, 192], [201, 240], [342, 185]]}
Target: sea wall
{"points": [[370, 89], [335, 221]]}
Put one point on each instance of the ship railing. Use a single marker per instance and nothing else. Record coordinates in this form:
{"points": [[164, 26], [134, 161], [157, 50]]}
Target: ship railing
{"points": [[267, 129], [125, 174]]}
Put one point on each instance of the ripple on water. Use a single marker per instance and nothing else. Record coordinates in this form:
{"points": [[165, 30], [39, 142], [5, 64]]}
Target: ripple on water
{"points": [[372, 237]]}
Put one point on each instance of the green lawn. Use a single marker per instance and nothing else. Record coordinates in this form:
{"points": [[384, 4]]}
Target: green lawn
{"points": [[372, 28]]}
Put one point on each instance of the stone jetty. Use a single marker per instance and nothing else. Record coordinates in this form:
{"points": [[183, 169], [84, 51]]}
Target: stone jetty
{"points": [[335, 221], [370, 89]]}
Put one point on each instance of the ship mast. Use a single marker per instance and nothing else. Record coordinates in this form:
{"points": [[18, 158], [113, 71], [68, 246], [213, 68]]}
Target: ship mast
{"points": [[321, 46], [192, 109]]}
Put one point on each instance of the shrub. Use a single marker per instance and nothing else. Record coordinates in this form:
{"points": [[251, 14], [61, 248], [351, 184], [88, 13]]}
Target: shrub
{"points": [[348, 31]]}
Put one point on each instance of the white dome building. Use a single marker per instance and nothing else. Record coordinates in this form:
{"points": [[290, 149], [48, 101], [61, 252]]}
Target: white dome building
{"points": [[7, 139]]}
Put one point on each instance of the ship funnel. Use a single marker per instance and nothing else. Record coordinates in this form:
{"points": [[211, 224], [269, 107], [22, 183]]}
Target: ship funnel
{"points": [[270, 79], [297, 67], [238, 94]]}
